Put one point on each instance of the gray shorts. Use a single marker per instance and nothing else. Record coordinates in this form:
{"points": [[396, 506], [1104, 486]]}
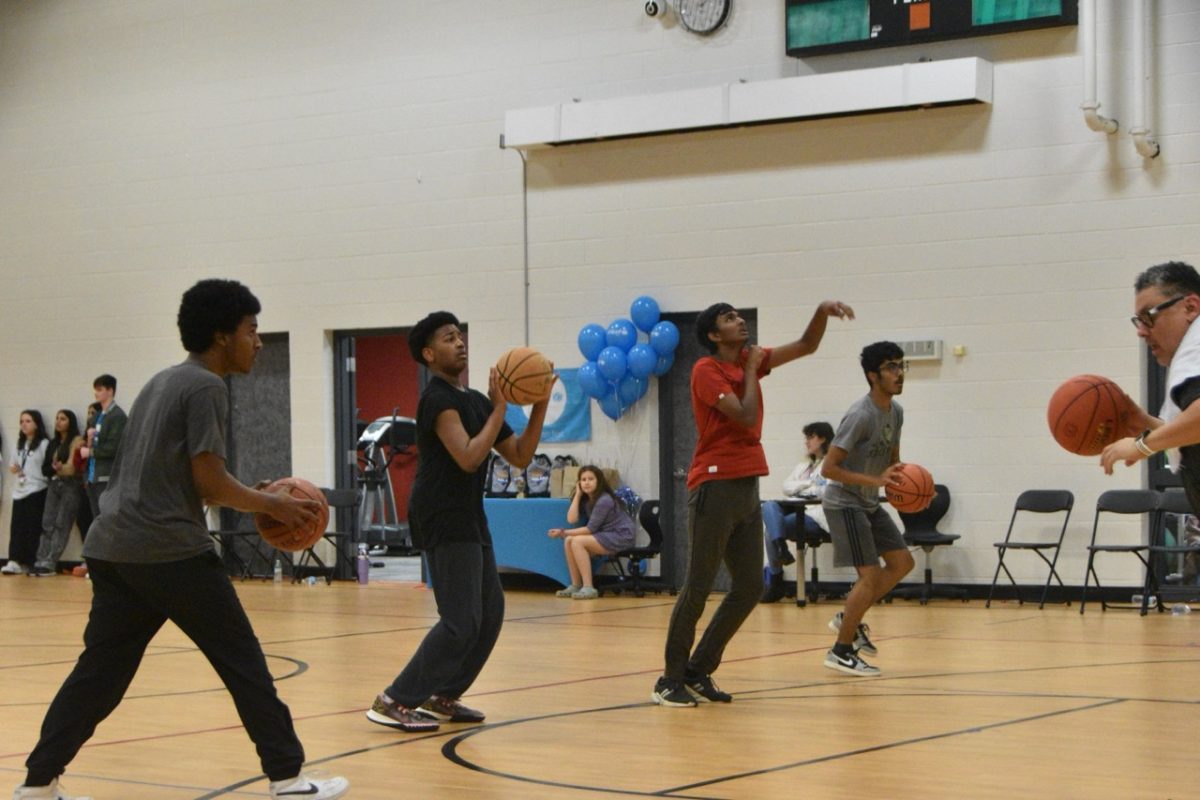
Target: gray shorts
{"points": [[860, 537]]}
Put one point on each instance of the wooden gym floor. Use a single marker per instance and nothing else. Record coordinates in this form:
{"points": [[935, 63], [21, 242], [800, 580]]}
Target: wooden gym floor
{"points": [[973, 703]]}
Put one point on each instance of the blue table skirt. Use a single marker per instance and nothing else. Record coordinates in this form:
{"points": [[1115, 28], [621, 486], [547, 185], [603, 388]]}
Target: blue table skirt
{"points": [[519, 534]]}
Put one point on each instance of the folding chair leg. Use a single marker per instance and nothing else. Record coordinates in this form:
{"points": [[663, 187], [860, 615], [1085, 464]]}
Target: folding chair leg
{"points": [[995, 577]]}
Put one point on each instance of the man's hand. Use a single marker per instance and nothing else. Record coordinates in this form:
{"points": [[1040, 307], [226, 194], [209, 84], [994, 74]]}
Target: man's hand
{"points": [[556, 533], [1120, 450]]}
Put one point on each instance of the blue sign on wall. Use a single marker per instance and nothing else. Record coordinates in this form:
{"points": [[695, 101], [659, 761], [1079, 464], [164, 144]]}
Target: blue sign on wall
{"points": [[568, 419]]}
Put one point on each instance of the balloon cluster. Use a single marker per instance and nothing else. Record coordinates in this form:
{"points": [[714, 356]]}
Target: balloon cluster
{"points": [[618, 367]]}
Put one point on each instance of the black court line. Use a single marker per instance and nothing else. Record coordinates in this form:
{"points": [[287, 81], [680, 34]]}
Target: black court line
{"points": [[672, 792]]}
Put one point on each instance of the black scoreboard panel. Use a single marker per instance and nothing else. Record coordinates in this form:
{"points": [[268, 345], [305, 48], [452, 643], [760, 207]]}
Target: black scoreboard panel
{"points": [[833, 26]]}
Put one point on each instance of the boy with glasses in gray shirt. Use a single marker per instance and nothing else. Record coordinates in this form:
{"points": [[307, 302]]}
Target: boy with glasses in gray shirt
{"points": [[863, 458]]}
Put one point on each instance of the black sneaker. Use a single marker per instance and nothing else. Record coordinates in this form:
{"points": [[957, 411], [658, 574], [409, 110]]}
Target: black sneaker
{"points": [[861, 640], [672, 694], [774, 590], [784, 552], [850, 664], [41, 572], [705, 688]]}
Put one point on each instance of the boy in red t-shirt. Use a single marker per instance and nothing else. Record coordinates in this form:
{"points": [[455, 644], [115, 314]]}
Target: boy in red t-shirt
{"points": [[724, 513]]}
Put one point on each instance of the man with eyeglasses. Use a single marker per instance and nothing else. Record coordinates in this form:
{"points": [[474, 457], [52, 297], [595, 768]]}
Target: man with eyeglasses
{"points": [[863, 458], [1167, 302]]}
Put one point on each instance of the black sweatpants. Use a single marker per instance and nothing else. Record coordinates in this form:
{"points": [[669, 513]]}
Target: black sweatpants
{"points": [[724, 525], [470, 603], [130, 602]]}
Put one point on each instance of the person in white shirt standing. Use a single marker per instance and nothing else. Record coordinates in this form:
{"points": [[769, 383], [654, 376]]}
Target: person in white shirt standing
{"points": [[29, 495]]}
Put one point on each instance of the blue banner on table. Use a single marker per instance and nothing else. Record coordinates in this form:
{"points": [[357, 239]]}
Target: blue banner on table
{"points": [[568, 418]]}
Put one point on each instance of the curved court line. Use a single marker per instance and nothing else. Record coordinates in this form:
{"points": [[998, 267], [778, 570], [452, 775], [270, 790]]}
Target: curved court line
{"points": [[449, 749]]}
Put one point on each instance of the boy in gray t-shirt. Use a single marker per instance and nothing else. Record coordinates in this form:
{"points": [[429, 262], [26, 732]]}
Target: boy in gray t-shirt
{"points": [[863, 458], [151, 560]]}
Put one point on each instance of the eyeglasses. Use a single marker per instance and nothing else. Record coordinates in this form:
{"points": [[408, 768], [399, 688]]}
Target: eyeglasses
{"points": [[1145, 320], [894, 367]]}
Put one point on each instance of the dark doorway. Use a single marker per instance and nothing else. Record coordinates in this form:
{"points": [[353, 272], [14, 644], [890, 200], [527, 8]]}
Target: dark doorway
{"points": [[677, 443], [259, 438]]}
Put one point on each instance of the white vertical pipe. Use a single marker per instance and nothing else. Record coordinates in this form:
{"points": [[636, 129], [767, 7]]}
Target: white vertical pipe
{"points": [[1145, 144], [1087, 36]]}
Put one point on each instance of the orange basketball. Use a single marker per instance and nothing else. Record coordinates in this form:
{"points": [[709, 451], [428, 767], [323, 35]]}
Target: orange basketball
{"points": [[280, 537], [526, 376], [912, 491], [1088, 413]]}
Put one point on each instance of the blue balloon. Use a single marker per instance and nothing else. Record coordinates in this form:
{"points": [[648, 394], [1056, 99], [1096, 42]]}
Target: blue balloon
{"points": [[612, 363], [610, 404], [664, 337], [644, 313], [591, 341], [664, 363], [590, 380], [641, 360], [631, 389], [622, 334]]}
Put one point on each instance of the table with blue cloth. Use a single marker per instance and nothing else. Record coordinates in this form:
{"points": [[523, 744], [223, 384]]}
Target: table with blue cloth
{"points": [[519, 528]]}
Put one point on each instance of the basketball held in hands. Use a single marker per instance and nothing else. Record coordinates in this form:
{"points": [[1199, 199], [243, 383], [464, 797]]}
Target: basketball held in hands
{"points": [[526, 376], [293, 540], [912, 490]]}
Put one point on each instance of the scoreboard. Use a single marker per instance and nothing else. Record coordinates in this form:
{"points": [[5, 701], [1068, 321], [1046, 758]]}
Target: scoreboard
{"points": [[815, 27]]}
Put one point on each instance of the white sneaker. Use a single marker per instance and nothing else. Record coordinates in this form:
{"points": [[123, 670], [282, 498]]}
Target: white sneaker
{"points": [[851, 664], [862, 638], [304, 787], [51, 792], [13, 568]]}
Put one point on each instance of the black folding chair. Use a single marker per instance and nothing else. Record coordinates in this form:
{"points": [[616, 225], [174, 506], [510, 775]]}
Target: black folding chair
{"points": [[921, 530], [1119, 501], [310, 563], [1171, 501], [1035, 501], [628, 563]]}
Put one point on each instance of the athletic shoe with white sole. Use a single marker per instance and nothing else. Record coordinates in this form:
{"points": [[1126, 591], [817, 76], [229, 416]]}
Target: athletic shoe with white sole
{"points": [[450, 710], [304, 787], [861, 640], [705, 688], [393, 715], [850, 664], [50, 792], [672, 694]]}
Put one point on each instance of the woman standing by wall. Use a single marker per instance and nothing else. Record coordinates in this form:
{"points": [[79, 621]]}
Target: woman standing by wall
{"points": [[63, 494], [29, 495]]}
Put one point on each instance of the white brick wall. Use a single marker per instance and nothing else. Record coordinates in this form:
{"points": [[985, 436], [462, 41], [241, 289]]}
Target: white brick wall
{"points": [[342, 160]]}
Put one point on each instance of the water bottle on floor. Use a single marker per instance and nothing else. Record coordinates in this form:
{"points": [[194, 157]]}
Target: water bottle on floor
{"points": [[363, 564], [277, 574], [1179, 609]]}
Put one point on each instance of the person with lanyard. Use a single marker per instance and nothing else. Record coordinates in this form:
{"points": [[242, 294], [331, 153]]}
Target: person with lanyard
{"points": [[100, 449], [29, 495]]}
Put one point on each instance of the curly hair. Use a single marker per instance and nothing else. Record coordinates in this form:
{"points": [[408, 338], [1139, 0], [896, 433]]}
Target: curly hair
{"points": [[213, 306]]}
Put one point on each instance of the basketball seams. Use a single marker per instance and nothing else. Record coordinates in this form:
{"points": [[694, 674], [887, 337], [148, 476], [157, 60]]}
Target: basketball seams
{"points": [[1103, 403]]}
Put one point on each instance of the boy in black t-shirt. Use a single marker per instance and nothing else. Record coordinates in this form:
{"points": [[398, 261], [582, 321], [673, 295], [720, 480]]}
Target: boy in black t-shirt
{"points": [[457, 428]]}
